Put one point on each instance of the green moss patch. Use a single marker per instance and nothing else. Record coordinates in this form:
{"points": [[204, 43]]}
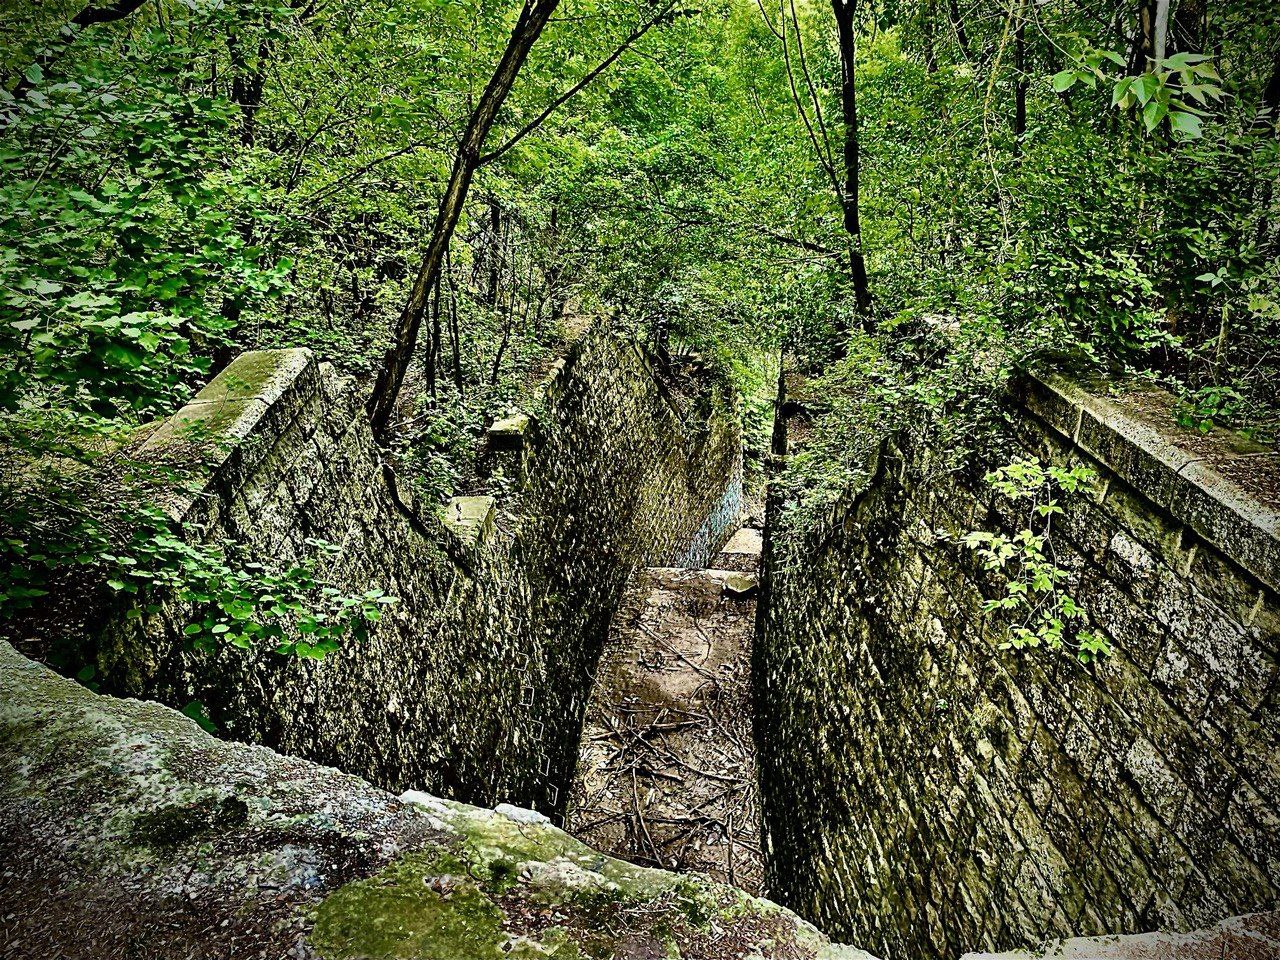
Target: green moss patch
{"points": [[410, 911]]}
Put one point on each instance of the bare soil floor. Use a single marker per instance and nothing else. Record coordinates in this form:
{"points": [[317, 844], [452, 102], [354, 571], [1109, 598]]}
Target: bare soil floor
{"points": [[666, 775]]}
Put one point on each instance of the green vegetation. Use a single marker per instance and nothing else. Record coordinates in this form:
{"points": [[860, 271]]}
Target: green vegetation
{"points": [[915, 200], [1041, 612]]}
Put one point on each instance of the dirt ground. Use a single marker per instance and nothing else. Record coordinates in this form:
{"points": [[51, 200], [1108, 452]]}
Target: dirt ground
{"points": [[666, 775]]}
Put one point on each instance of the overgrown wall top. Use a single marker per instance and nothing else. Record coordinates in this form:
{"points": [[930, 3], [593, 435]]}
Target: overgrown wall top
{"points": [[956, 796]]}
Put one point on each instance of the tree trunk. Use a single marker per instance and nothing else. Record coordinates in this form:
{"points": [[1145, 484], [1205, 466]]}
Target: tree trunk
{"points": [[247, 80], [957, 24], [1020, 80], [492, 251], [1143, 49], [533, 18], [845, 11]]}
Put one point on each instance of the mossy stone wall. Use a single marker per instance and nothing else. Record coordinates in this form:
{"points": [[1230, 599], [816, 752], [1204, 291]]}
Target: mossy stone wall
{"points": [[927, 793], [472, 686]]}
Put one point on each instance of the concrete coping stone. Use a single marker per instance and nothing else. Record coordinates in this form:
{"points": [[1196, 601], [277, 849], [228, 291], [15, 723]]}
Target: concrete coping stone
{"points": [[471, 519], [1251, 937], [233, 403], [1221, 484], [745, 541], [510, 432], [258, 386]]}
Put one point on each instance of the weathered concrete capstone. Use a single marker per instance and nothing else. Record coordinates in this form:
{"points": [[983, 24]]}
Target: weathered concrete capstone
{"points": [[473, 686], [957, 796], [1252, 937], [125, 830]]}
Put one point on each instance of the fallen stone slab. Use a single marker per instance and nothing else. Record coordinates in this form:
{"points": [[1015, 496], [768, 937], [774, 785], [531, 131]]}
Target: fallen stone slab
{"points": [[127, 831]]}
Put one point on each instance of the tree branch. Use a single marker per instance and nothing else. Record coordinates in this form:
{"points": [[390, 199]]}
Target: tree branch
{"points": [[665, 15], [818, 149], [110, 13], [819, 119]]}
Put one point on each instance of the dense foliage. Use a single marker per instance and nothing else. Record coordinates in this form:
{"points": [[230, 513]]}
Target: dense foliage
{"points": [[1078, 182]]}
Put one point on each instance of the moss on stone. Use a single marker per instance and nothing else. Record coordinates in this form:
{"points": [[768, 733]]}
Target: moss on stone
{"points": [[410, 910], [180, 823]]}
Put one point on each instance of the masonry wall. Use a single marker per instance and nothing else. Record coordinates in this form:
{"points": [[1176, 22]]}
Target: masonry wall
{"points": [[473, 686], [926, 793]]}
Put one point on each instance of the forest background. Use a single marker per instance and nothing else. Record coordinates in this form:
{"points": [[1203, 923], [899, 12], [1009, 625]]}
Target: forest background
{"points": [[915, 200]]}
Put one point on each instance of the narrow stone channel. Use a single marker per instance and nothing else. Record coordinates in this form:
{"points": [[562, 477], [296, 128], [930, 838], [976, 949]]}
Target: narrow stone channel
{"points": [[666, 770]]}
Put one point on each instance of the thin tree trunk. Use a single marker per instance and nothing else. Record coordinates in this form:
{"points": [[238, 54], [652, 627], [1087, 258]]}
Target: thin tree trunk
{"points": [[1143, 49], [492, 249], [1160, 30], [845, 11], [928, 13], [957, 24], [247, 81], [513, 291], [1020, 80], [1270, 105], [533, 18], [433, 341], [454, 335]]}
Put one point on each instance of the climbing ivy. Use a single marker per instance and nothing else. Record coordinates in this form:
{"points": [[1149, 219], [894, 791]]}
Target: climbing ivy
{"points": [[240, 602]]}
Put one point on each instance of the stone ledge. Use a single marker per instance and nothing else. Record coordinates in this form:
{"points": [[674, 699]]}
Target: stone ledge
{"points": [[114, 813], [471, 519], [1252, 937], [1223, 486], [222, 430]]}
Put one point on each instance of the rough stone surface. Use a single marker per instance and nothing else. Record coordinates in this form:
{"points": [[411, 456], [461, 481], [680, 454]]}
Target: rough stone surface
{"points": [[474, 685], [1253, 937], [126, 831], [956, 796]]}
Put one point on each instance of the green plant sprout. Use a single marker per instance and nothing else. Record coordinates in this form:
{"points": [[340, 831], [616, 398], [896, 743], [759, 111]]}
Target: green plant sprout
{"points": [[244, 604], [1043, 613]]}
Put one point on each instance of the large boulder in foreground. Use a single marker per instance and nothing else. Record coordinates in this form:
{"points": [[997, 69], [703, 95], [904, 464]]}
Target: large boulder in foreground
{"points": [[127, 831]]}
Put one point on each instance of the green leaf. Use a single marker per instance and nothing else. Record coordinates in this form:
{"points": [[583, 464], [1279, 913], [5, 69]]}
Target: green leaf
{"points": [[1064, 81], [1153, 113], [1187, 124], [195, 710], [1145, 87]]}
